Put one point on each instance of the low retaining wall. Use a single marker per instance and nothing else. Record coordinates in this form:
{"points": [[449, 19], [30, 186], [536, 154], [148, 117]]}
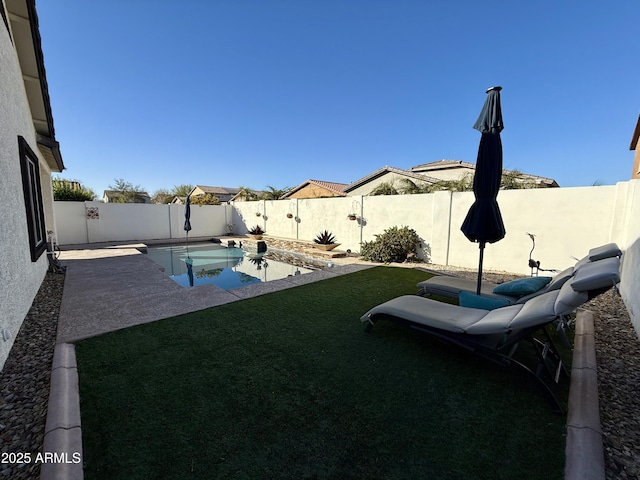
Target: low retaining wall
{"points": [[301, 247]]}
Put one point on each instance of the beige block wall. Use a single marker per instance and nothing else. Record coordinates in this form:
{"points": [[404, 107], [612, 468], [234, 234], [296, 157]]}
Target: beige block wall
{"points": [[111, 222], [566, 222]]}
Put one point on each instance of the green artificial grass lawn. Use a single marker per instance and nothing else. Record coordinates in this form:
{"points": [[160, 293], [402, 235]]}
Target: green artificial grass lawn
{"points": [[288, 385]]}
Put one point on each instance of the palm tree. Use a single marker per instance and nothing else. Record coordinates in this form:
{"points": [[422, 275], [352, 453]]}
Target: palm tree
{"points": [[462, 184], [409, 187], [516, 180], [246, 194], [182, 190], [385, 188], [274, 193]]}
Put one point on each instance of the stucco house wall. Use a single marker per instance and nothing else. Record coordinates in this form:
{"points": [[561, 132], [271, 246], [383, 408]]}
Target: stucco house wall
{"points": [[446, 173], [629, 232], [635, 146], [20, 278]]}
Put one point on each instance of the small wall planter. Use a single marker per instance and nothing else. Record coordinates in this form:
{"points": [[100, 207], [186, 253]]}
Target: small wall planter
{"points": [[352, 216], [289, 215]]}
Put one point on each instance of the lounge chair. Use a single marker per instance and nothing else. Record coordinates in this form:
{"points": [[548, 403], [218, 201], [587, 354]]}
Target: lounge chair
{"points": [[450, 286], [495, 334]]}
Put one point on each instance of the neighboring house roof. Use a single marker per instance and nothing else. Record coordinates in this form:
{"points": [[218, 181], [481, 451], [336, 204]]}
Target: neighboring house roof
{"points": [[549, 182], [442, 165], [23, 19], [110, 195], [335, 188], [459, 164], [385, 170], [216, 190]]}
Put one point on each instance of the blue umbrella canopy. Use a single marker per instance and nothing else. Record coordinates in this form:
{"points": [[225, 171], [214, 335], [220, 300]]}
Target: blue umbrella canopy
{"points": [[483, 223]]}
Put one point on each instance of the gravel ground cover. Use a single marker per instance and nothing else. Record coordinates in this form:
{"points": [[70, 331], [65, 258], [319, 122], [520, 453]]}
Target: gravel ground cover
{"points": [[24, 381]]}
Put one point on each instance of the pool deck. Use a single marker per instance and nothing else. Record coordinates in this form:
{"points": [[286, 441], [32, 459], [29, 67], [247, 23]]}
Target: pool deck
{"points": [[131, 289], [113, 286]]}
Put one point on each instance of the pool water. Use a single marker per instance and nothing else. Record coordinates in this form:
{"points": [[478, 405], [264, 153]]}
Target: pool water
{"points": [[224, 267]]}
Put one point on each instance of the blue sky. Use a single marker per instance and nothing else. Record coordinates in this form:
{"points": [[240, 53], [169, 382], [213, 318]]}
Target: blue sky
{"points": [[274, 92]]}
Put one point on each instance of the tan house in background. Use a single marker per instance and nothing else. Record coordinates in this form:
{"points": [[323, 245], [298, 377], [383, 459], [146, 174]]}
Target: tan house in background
{"points": [[635, 173], [224, 194], [316, 189], [390, 175], [455, 169]]}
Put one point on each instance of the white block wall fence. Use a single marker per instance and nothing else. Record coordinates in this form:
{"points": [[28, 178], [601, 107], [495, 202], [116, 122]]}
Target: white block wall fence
{"points": [[566, 222]]}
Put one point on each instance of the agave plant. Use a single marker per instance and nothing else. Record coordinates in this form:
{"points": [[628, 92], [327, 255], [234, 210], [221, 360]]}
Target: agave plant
{"points": [[256, 230], [325, 238]]}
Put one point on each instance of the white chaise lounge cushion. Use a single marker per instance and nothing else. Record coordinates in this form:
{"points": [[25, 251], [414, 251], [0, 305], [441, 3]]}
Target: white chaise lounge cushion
{"points": [[559, 280], [599, 274], [537, 311], [598, 253], [425, 311], [568, 299], [604, 251], [496, 321]]}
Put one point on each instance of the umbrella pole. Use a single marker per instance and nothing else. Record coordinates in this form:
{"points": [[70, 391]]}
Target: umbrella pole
{"points": [[482, 244]]}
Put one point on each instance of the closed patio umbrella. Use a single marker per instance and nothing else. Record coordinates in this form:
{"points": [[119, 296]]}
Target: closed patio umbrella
{"points": [[483, 223], [187, 216], [187, 228]]}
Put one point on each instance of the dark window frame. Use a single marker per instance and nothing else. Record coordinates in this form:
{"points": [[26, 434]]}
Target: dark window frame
{"points": [[34, 207]]}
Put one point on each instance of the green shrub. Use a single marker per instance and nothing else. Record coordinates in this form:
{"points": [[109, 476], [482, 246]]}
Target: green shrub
{"points": [[393, 245], [206, 199], [71, 191]]}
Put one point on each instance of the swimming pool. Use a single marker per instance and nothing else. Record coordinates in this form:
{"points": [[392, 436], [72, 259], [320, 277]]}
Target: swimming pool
{"points": [[224, 267]]}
